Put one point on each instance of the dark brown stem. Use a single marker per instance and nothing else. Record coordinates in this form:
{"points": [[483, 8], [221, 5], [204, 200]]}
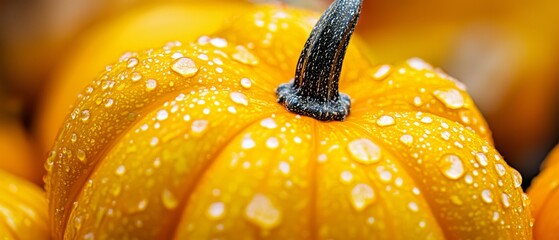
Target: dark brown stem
{"points": [[314, 90]]}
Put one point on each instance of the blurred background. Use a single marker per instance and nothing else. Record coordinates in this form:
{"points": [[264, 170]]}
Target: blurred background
{"points": [[506, 52]]}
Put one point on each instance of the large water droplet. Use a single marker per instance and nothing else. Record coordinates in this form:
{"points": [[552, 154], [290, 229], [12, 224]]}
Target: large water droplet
{"points": [[162, 115], [243, 55], [216, 210], [505, 200], [381, 72], [262, 212], [419, 64], [501, 170], [364, 151], [451, 98], [168, 199], [246, 83], [517, 178], [451, 166], [239, 98], [362, 195], [486, 196], [218, 42], [385, 120], [481, 158], [247, 143], [151, 84], [132, 62], [185, 67]]}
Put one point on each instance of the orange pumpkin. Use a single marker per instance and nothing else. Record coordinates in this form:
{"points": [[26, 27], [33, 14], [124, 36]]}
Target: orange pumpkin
{"points": [[107, 41], [544, 195], [23, 209], [188, 141]]}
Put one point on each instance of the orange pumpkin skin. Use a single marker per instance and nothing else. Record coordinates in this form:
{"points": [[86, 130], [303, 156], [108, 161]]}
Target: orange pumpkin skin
{"points": [[544, 195], [195, 146], [23, 209]]}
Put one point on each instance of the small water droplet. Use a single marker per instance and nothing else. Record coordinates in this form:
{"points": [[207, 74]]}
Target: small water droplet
{"points": [[362, 195], [247, 143], [451, 166], [406, 139], [419, 64], [413, 206], [216, 210], [481, 158], [346, 176], [81, 155], [85, 115], [445, 135], [451, 98], [154, 141], [262, 212], [168, 199], [151, 84], [381, 72], [162, 115], [185, 67], [243, 55], [132, 62], [469, 179], [495, 216], [426, 119], [198, 127], [486, 196], [505, 200], [120, 170], [416, 191], [218, 42], [272, 142], [284, 167], [239, 98], [268, 123], [364, 151], [246, 83], [142, 204], [74, 138], [385, 120], [517, 178], [417, 101], [501, 170], [136, 76], [109, 102]]}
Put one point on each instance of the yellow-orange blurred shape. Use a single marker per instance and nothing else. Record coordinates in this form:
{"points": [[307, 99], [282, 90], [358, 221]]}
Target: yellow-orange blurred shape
{"points": [[23, 209], [544, 194], [17, 152], [148, 26]]}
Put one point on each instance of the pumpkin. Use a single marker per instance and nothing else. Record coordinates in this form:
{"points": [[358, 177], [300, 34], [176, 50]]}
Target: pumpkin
{"points": [[18, 156], [189, 141], [544, 195], [23, 209], [100, 45]]}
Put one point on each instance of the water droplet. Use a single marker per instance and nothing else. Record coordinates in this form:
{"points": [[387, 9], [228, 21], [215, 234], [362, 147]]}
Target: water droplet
{"points": [[495, 216], [517, 178], [501, 170], [185, 67], [419, 64], [385, 175], [451, 166], [81, 155], [154, 141], [85, 115], [74, 138], [136, 76], [385, 120], [243, 55], [216, 210], [198, 127], [417, 101], [413, 206], [246, 83], [486, 196], [416, 191], [456, 200], [346, 176], [445, 135], [162, 115], [176, 55], [218, 42], [505, 199], [364, 151], [272, 142], [451, 98], [120, 170], [232, 109], [406, 139], [142, 204], [247, 143], [109, 102], [151, 84], [362, 195], [469, 179], [284, 167], [262, 212], [132, 62], [481, 158], [238, 98], [426, 120], [168, 199], [268, 123], [381, 72]]}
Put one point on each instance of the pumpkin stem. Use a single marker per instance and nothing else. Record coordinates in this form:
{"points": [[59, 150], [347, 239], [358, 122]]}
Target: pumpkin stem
{"points": [[314, 90]]}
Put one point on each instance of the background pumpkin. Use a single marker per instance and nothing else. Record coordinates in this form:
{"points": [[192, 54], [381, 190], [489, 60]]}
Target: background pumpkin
{"points": [[544, 195], [198, 147], [23, 209]]}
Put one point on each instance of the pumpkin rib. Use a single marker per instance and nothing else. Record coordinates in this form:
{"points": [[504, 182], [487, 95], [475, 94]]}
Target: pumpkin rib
{"points": [[404, 168], [4, 228], [177, 213], [313, 184]]}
